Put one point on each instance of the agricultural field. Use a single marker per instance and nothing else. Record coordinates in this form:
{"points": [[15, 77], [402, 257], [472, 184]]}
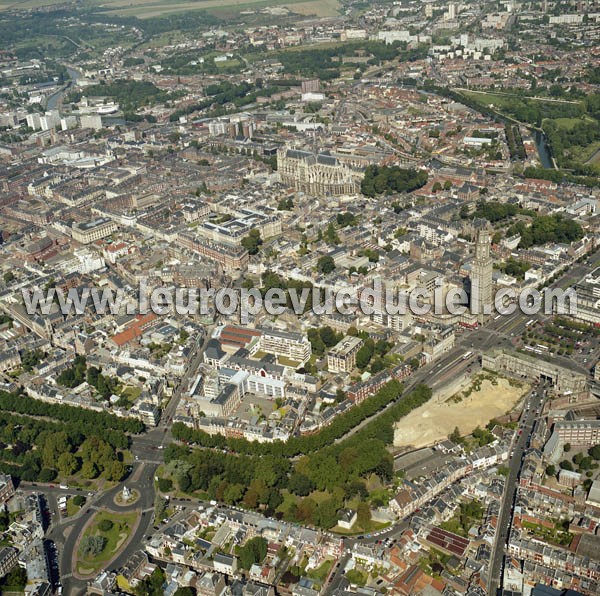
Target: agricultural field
{"points": [[155, 8]]}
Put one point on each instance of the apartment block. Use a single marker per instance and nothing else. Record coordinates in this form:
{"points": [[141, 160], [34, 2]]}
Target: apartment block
{"points": [[342, 357], [289, 344], [91, 231]]}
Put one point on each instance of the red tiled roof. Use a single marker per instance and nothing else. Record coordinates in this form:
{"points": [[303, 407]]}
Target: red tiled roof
{"points": [[238, 336]]}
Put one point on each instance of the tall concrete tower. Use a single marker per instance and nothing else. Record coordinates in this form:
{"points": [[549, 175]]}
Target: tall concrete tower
{"points": [[481, 277]]}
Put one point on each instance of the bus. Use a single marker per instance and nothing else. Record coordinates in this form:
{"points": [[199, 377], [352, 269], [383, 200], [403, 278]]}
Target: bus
{"points": [[467, 355]]}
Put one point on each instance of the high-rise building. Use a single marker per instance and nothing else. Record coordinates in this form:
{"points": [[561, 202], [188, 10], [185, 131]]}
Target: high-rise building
{"points": [[481, 277], [451, 11]]}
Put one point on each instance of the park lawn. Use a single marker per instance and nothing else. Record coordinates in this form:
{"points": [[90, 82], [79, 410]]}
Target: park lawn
{"points": [[467, 515], [370, 527], [355, 576], [433, 557], [569, 123], [285, 361], [131, 392], [486, 98], [229, 63], [72, 509], [289, 500], [505, 99], [320, 573], [374, 483], [583, 153], [553, 535], [453, 525], [318, 496], [116, 537]]}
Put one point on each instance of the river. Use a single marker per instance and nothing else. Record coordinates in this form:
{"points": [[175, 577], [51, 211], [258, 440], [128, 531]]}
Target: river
{"points": [[53, 100], [543, 150]]}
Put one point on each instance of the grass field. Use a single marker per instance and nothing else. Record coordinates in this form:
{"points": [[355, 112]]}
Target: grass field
{"points": [[116, 537], [320, 573], [155, 8], [27, 4], [569, 123]]}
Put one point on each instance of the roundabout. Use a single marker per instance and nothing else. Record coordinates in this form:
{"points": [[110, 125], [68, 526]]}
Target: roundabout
{"points": [[101, 540], [127, 497]]}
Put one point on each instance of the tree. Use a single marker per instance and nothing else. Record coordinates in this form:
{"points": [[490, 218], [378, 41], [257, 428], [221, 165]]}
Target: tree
{"points": [[8, 277], [15, 580], [252, 242], [285, 204], [455, 436], [363, 514], [105, 525], [326, 514], [47, 475], [78, 500], [254, 551], [233, 493], [92, 546], [565, 464], [594, 452], [55, 445], [331, 236], [325, 264], [152, 585], [346, 219], [300, 485], [164, 485], [115, 470], [67, 464], [364, 354], [550, 470], [184, 482], [567, 447], [384, 179], [89, 470], [274, 500], [436, 187], [185, 591], [160, 507], [329, 336], [304, 510]]}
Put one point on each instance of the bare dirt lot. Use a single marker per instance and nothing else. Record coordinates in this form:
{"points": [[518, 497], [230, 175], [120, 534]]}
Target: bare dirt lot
{"points": [[434, 421]]}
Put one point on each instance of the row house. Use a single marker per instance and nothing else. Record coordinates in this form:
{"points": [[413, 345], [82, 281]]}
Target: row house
{"points": [[556, 558]]}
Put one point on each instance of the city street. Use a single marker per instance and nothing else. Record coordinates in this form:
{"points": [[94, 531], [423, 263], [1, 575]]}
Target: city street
{"points": [[534, 403]]}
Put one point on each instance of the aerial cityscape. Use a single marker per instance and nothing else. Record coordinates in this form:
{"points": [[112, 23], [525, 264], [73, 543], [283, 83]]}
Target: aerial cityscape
{"points": [[300, 297]]}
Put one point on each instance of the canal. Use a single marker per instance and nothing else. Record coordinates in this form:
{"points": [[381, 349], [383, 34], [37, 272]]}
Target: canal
{"points": [[543, 150], [55, 97]]}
